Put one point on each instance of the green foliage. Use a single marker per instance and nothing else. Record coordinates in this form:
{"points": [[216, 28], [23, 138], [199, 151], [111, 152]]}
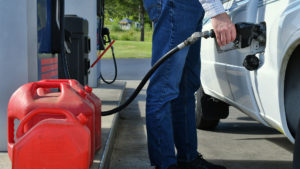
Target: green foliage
{"points": [[131, 35], [148, 27], [114, 36], [120, 9], [115, 27], [116, 10], [137, 29]]}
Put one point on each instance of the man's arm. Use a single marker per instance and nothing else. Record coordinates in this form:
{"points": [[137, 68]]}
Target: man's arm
{"points": [[212, 7], [223, 27]]}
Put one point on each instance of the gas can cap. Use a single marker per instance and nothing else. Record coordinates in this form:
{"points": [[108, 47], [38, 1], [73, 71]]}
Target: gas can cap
{"points": [[82, 118], [88, 89], [82, 93]]}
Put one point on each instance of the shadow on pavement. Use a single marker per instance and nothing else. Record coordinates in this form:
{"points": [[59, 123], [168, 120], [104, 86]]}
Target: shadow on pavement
{"points": [[245, 128], [245, 118], [248, 164]]}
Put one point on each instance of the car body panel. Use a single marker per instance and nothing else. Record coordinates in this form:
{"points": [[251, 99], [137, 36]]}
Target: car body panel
{"points": [[257, 93]]}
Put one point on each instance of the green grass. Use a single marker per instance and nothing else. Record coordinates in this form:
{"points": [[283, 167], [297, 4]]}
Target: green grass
{"points": [[131, 35], [130, 49]]}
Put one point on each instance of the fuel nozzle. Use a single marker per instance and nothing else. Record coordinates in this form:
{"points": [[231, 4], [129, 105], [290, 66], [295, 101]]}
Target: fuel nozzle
{"points": [[195, 37], [209, 34], [246, 32]]}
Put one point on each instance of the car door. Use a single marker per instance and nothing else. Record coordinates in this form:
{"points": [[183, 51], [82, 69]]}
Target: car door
{"points": [[214, 64], [213, 76], [239, 78]]}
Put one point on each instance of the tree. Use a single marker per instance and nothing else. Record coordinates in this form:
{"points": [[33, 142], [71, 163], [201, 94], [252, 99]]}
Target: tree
{"points": [[127, 8], [142, 14]]}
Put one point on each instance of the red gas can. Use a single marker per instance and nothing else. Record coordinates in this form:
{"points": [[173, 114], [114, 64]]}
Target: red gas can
{"points": [[26, 99], [97, 103], [52, 143], [92, 98]]}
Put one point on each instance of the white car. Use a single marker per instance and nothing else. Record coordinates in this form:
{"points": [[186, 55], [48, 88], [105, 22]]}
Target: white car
{"points": [[269, 91]]}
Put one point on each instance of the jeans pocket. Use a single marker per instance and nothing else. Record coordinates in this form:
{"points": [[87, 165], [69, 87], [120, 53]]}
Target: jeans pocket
{"points": [[153, 8]]}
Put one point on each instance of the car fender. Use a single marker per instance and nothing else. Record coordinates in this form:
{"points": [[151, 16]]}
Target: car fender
{"points": [[284, 36]]}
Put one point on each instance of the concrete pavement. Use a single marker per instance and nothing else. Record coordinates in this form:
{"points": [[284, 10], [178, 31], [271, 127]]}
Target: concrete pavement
{"points": [[238, 142], [111, 96], [130, 149]]}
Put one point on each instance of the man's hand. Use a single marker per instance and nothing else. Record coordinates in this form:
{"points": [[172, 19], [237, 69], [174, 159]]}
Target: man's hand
{"points": [[224, 29]]}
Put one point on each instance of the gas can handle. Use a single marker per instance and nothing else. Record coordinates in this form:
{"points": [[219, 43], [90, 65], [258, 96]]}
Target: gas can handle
{"points": [[57, 80], [68, 81], [48, 85], [71, 82], [69, 117], [11, 130]]}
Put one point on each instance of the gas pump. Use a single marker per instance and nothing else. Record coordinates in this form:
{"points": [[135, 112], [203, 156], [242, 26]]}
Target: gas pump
{"points": [[49, 33], [63, 41], [100, 20], [77, 46], [18, 53], [103, 38], [83, 14], [29, 48]]}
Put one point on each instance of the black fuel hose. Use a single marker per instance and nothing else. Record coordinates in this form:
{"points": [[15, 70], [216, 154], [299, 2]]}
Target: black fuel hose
{"points": [[192, 39], [114, 61], [115, 66]]}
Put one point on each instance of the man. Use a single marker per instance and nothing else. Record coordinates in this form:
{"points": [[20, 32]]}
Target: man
{"points": [[170, 103]]}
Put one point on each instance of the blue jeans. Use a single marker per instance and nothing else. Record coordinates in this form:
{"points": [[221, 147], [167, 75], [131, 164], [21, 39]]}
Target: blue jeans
{"points": [[170, 103]]}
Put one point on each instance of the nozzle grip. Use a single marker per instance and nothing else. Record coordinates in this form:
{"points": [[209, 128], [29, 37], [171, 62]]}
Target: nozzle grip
{"points": [[212, 33]]}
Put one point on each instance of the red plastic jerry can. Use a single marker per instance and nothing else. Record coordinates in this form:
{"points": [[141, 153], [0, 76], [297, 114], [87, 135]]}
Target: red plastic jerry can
{"points": [[27, 98], [52, 143], [92, 98], [97, 103]]}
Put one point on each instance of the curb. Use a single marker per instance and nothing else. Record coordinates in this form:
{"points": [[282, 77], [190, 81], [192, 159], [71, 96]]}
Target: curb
{"points": [[105, 159]]}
